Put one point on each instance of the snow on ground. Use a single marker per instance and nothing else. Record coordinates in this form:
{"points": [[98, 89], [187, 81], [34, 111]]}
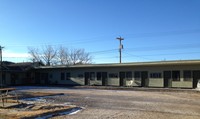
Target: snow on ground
{"points": [[70, 112], [43, 100]]}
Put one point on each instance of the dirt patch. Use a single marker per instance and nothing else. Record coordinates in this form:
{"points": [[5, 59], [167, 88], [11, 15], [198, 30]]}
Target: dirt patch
{"points": [[26, 110]]}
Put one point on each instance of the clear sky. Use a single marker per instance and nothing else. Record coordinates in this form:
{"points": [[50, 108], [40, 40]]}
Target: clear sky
{"points": [[153, 30]]}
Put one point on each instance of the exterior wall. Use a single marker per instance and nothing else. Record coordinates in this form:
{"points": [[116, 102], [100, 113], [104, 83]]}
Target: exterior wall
{"points": [[157, 82], [182, 84], [78, 75]]}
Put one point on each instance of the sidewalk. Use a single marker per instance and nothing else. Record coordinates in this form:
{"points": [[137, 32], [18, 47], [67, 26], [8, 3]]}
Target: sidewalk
{"points": [[151, 89]]}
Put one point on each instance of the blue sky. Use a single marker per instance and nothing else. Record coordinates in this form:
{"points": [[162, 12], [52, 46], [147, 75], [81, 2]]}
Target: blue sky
{"points": [[153, 30]]}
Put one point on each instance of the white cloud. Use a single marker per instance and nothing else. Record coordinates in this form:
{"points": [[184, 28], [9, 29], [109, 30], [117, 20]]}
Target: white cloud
{"points": [[11, 54]]}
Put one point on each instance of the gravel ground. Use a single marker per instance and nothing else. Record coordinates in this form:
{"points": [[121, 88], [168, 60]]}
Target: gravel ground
{"points": [[116, 104]]}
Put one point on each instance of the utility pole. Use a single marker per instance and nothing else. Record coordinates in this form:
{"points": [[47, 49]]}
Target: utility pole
{"points": [[1, 66], [120, 48]]}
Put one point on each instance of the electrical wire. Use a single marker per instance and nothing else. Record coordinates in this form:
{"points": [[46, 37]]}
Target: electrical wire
{"points": [[100, 38]]}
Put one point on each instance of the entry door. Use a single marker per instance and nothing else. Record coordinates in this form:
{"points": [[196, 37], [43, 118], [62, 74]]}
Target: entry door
{"points": [[167, 79], [37, 78], [4, 78], [46, 78], [144, 78], [104, 78], [196, 77], [13, 79], [87, 78], [122, 80]]}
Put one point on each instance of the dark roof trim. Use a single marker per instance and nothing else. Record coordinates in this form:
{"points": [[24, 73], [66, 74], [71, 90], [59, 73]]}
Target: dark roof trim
{"points": [[155, 63]]}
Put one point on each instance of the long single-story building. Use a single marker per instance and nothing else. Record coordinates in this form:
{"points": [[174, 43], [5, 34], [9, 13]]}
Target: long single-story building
{"points": [[168, 74]]}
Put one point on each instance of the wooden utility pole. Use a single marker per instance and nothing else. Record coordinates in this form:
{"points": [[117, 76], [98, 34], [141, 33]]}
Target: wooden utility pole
{"points": [[1, 65], [120, 48]]}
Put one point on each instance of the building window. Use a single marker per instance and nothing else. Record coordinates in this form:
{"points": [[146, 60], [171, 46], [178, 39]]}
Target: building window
{"points": [[62, 76], [68, 76], [129, 75], [113, 75], [155, 75], [99, 76], [92, 76], [176, 75], [50, 76], [137, 75], [187, 75], [80, 76]]}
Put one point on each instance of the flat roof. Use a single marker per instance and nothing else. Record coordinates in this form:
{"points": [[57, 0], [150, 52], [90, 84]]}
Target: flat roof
{"points": [[153, 63]]}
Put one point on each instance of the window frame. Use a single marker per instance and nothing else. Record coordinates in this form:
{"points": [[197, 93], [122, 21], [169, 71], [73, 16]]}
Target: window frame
{"points": [[129, 75], [62, 76], [156, 75], [99, 76], [92, 76], [113, 75], [137, 75], [186, 77], [176, 75], [68, 76]]}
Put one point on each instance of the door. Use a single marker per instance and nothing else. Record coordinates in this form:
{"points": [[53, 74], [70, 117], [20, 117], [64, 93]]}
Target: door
{"points": [[87, 78], [167, 79], [14, 77], [122, 80], [104, 78], [37, 78], [46, 78], [196, 77], [144, 79], [4, 79]]}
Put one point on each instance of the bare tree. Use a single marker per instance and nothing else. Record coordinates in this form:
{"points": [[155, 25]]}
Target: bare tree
{"points": [[62, 56], [48, 55], [79, 56], [35, 54]]}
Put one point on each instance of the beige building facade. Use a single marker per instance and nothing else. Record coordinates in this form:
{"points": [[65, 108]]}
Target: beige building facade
{"points": [[167, 74]]}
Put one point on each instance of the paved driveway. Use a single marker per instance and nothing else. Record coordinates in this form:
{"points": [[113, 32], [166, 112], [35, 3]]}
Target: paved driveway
{"points": [[115, 104]]}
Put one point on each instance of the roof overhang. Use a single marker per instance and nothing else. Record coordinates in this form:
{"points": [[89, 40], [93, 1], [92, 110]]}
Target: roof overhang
{"points": [[155, 63]]}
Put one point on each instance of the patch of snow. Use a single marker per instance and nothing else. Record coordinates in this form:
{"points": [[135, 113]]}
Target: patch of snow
{"points": [[70, 112], [66, 104], [34, 100], [87, 97]]}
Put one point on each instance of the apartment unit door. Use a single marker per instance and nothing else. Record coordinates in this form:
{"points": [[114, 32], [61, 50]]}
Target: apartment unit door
{"points": [[122, 81], [104, 79], [37, 78], [46, 78], [144, 79], [196, 77], [4, 78], [167, 79], [87, 78]]}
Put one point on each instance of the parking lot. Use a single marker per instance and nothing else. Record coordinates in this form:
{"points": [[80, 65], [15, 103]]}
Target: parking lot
{"points": [[118, 104]]}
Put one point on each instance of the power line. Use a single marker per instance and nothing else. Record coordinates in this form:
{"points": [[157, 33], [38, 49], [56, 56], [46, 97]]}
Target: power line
{"points": [[137, 56], [182, 53], [158, 34], [103, 51], [99, 39], [164, 47]]}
